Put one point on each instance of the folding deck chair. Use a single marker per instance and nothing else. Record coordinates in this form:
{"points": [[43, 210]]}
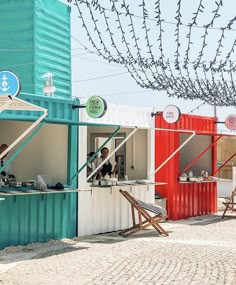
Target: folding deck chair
{"points": [[231, 204], [144, 218]]}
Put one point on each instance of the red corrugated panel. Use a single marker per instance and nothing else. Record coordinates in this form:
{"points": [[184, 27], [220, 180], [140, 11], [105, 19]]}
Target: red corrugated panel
{"points": [[195, 199], [184, 200], [197, 123]]}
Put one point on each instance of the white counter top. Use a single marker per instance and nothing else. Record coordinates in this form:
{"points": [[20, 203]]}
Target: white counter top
{"points": [[34, 192], [121, 184], [199, 182]]}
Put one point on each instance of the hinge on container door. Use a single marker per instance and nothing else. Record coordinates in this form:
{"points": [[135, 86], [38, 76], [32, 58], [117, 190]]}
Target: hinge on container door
{"points": [[156, 114]]}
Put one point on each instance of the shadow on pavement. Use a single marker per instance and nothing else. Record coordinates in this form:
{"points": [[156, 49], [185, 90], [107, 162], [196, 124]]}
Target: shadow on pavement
{"points": [[115, 237], [208, 222], [57, 252], [15, 254]]}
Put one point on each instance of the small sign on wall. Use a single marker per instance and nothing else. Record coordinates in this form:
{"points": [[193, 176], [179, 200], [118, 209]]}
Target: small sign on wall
{"points": [[96, 107], [9, 83], [171, 114], [230, 122]]}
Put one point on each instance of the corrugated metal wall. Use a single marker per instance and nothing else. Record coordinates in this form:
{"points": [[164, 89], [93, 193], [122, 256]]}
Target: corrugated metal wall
{"points": [[52, 43], [59, 110], [37, 218], [195, 199], [17, 41], [181, 201], [35, 40], [126, 116]]}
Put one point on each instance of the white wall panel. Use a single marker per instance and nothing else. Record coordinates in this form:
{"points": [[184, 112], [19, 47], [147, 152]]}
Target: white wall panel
{"points": [[123, 115], [104, 209]]}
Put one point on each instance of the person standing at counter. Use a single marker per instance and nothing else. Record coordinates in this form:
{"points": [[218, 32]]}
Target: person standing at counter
{"points": [[107, 167], [92, 164], [7, 171]]}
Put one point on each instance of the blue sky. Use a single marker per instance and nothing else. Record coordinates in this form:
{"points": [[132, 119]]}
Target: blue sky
{"points": [[91, 75]]}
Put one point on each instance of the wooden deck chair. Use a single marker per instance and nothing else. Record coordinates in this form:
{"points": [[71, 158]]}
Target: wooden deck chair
{"points": [[231, 204], [144, 218]]}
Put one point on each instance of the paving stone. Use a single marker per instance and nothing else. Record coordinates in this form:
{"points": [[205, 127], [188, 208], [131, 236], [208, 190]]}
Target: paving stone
{"points": [[200, 251]]}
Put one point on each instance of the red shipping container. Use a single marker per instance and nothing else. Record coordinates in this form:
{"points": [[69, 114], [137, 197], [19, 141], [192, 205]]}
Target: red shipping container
{"points": [[185, 199]]}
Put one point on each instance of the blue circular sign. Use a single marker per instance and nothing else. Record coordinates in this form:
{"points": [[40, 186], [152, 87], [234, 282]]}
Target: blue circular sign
{"points": [[9, 83]]}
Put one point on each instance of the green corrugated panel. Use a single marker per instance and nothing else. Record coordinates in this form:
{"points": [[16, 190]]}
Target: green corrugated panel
{"points": [[52, 44], [35, 40], [16, 42], [37, 218], [59, 110]]}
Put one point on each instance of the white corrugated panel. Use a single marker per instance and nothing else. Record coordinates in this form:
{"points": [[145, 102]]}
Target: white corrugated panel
{"points": [[126, 116], [105, 209]]}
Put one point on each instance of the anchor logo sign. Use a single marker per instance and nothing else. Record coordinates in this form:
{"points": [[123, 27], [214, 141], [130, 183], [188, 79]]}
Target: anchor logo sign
{"points": [[9, 83], [4, 83]]}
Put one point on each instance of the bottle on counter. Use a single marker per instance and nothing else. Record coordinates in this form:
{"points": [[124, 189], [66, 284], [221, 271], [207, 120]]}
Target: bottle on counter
{"points": [[107, 177], [190, 175], [126, 177]]}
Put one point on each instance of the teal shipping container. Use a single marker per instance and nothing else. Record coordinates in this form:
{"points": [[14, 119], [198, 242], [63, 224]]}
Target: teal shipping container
{"points": [[36, 40]]}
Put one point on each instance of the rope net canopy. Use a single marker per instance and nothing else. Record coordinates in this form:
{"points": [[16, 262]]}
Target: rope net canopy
{"points": [[184, 47]]}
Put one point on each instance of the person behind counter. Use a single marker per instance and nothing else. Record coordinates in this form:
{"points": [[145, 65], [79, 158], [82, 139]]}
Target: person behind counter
{"points": [[107, 166], [92, 164], [7, 171]]}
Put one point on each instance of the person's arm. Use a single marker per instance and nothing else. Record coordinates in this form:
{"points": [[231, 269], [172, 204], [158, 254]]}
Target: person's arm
{"points": [[7, 170], [98, 162], [89, 170]]}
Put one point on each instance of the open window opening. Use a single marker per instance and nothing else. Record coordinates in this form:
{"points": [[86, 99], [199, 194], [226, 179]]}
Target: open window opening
{"points": [[46, 153], [119, 157]]}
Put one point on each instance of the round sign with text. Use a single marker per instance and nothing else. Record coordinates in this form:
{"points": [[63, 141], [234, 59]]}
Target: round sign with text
{"points": [[96, 107], [230, 122], [171, 114], [9, 83]]}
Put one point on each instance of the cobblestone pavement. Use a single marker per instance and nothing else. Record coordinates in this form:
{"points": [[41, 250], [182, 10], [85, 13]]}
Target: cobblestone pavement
{"points": [[198, 251]]}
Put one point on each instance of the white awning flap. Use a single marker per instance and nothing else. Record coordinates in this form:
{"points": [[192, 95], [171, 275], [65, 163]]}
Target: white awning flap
{"points": [[14, 103]]}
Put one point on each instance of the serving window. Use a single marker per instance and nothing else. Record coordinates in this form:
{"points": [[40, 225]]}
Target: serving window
{"points": [[98, 139], [46, 153], [191, 151], [132, 157]]}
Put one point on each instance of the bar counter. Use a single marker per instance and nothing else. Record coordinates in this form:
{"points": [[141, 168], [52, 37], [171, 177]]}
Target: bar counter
{"points": [[5, 191], [103, 209], [195, 198]]}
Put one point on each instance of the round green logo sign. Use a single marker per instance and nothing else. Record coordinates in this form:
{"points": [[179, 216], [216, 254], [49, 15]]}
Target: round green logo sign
{"points": [[96, 107]]}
